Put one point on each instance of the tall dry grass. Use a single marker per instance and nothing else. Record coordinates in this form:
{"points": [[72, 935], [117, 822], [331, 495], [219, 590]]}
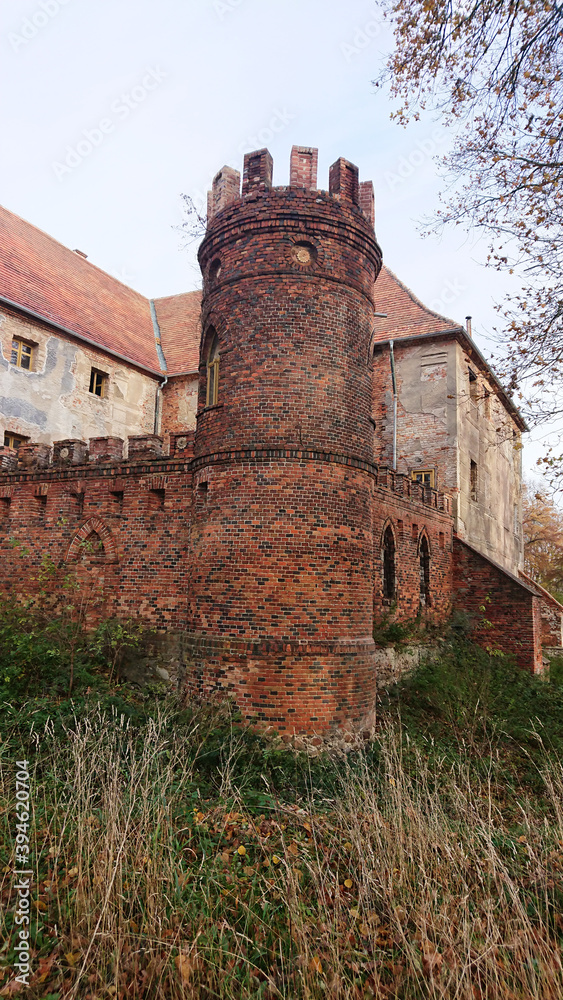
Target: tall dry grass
{"points": [[412, 882]]}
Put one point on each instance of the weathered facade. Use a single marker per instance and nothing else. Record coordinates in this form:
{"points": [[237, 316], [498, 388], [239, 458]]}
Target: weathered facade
{"points": [[271, 467]]}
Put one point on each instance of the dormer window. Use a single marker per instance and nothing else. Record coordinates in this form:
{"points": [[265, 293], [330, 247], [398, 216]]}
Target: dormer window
{"points": [[213, 373]]}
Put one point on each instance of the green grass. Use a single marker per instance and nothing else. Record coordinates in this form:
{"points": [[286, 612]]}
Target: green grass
{"points": [[177, 852]]}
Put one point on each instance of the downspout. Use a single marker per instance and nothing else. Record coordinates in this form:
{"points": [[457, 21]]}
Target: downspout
{"points": [[162, 362], [394, 382]]}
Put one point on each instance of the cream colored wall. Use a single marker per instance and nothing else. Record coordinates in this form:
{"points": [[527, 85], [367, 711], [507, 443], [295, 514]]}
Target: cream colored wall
{"points": [[488, 435], [440, 427], [53, 402]]}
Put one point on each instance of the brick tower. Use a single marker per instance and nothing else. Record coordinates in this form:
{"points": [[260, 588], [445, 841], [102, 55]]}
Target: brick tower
{"points": [[281, 589]]}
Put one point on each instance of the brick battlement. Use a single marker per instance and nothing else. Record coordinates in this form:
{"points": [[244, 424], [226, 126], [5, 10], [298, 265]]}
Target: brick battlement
{"points": [[146, 457], [344, 184], [32, 459]]}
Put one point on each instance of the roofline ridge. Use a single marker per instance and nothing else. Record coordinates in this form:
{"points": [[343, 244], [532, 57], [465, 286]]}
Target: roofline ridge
{"points": [[85, 260], [177, 295]]}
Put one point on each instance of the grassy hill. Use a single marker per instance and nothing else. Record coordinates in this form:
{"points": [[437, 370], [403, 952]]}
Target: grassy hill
{"points": [[178, 853]]}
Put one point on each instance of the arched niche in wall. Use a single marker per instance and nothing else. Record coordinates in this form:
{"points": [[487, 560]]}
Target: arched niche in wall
{"points": [[93, 543], [423, 552], [388, 560]]}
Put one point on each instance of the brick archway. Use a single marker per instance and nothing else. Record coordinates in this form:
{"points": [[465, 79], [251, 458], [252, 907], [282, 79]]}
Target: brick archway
{"points": [[93, 526]]}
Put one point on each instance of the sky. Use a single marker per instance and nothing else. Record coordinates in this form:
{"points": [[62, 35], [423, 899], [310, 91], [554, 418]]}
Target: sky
{"points": [[112, 109]]}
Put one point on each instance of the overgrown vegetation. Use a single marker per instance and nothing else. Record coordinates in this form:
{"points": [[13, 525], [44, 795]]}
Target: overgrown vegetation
{"points": [[179, 853]]}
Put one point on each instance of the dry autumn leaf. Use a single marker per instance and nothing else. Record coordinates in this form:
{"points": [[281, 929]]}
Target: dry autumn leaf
{"points": [[185, 967]]}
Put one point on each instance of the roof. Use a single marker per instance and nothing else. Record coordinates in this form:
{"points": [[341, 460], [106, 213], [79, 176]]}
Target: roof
{"points": [[62, 287], [407, 316], [179, 321]]}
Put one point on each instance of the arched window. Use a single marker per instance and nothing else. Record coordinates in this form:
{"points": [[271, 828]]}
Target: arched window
{"points": [[424, 557], [213, 372], [389, 564]]}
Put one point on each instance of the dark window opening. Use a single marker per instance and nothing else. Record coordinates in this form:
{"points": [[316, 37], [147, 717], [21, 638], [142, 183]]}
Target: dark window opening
{"points": [[473, 386], [98, 383], [424, 556], [214, 269], [5, 507], [414, 532], [41, 504], [389, 564], [473, 480], [78, 501], [117, 500], [13, 440]]}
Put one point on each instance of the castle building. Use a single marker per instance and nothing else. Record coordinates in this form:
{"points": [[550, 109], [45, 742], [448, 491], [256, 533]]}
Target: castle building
{"points": [[265, 470]]}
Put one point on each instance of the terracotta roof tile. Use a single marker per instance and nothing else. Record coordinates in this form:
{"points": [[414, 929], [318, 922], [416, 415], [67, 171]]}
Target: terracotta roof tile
{"points": [[180, 327], [406, 315], [40, 274]]}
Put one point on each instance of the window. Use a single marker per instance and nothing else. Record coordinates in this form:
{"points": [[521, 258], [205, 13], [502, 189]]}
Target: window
{"points": [[22, 353], [424, 557], [389, 564], [213, 373], [424, 476], [13, 440], [473, 480], [473, 386], [98, 383], [214, 269]]}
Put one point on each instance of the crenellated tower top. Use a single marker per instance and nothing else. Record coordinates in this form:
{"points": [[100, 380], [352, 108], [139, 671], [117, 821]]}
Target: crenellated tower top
{"points": [[344, 182]]}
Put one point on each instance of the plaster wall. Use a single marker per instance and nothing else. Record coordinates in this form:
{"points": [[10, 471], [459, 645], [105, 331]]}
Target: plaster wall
{"points": [[53, 402], [426, 411], [444, 423], [489, 509]]}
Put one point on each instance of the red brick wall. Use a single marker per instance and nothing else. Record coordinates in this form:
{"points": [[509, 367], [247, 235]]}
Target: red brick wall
{"points": [[505, 613], [410, 519], [551, 613], [282, 537], [178, 403], [139, 511]]}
